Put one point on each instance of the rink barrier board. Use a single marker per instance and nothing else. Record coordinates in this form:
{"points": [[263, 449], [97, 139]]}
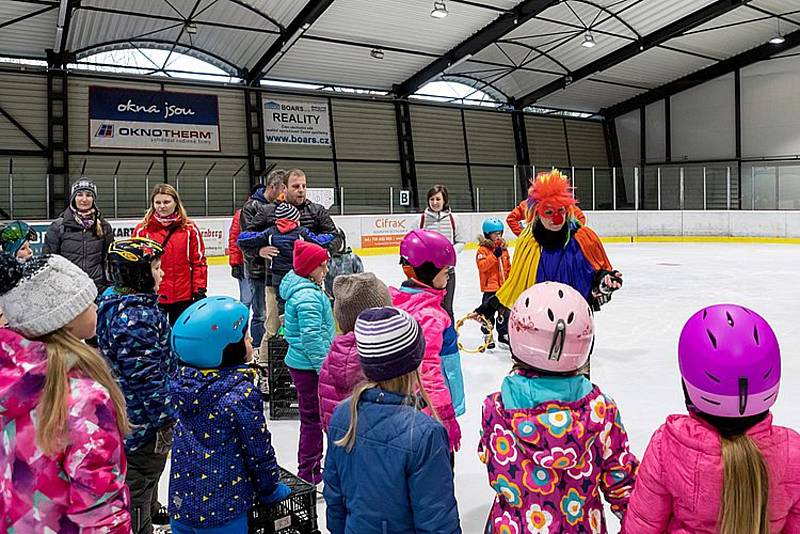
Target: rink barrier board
{"points": [[617, 227], [384, 251]]}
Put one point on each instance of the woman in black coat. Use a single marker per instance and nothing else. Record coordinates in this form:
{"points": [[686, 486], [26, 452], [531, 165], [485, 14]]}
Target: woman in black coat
{"points": [[81, 234]]}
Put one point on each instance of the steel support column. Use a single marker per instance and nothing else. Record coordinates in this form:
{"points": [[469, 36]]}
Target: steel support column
{"points": [[57, 134], [405, 145], [254, 130]]}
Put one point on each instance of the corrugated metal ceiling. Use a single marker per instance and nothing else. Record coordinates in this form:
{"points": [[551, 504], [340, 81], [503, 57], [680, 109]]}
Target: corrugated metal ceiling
{"points": [[336, 48]]}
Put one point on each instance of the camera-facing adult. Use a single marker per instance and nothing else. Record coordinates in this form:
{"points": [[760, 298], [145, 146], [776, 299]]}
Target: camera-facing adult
{"points": [[439, 217], [81, 234], [184, 260]]}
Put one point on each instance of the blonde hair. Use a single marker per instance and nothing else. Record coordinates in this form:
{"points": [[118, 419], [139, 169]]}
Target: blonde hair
{"points": [[406, 384], [745, 488], [64, 352], [166, 189]]}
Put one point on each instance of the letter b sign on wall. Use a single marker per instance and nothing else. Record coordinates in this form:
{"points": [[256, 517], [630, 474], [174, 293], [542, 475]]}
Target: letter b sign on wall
{"points": [[405, 197]]}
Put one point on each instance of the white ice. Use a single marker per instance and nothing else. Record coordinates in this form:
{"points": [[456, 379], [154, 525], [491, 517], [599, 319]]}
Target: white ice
{"points": [[634, 359]]}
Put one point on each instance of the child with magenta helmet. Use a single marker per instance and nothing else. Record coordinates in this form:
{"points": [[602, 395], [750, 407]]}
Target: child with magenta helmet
{"points": [[427, 257], [222, 457], [723, 468], [494, 264], [550, 438]]}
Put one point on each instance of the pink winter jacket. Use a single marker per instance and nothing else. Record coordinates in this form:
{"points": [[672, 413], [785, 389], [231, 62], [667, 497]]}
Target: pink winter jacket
{"points": [[679, 486], [425, 305], [340, 373], [80, 489]]}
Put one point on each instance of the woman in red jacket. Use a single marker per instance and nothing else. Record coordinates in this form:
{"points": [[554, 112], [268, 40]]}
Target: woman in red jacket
{"points": [[184, 260]]}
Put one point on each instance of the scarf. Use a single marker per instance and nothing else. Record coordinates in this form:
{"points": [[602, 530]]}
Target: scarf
{"points": [[86, 219], [167, 221]]}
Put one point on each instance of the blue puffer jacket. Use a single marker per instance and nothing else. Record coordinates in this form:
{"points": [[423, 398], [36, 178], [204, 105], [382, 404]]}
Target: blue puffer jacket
{"points": [[308, 324], [284, 242], [133, 335], [397, 477], [222, 457]]}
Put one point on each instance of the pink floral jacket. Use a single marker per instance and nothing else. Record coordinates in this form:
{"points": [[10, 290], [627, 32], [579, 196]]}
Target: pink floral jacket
{"points": [[80, 489], [547, 464]]}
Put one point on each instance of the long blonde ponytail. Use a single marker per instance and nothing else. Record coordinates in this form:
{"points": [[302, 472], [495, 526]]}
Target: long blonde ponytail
{"points": [[745, 488], [406, 384], [65, 351]]}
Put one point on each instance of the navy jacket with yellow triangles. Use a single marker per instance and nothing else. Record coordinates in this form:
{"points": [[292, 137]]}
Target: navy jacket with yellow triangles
{"points": [[222, 457]]}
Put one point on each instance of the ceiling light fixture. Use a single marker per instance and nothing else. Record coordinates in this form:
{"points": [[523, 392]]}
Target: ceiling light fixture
{"points": [[191, 27], [377, 53], [439, 10], [778, 39], [588, 40]]}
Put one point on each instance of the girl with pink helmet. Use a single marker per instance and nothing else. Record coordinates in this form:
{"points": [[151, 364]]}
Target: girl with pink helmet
{"points": [[550, 439], [724, 468]]}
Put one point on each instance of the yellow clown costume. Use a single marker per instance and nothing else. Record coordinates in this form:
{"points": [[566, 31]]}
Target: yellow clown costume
{"points": [[578, 260]]}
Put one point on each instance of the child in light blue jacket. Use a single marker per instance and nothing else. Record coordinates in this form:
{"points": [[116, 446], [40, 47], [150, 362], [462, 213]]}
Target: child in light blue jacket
{"points": [[309, 329]]}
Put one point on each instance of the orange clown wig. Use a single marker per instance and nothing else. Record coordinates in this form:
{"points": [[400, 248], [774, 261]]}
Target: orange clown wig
{"points": [[549, 193]]}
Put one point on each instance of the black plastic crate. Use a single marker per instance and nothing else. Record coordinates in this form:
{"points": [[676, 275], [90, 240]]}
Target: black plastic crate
{"points": [[283, 404], [297, 514]]}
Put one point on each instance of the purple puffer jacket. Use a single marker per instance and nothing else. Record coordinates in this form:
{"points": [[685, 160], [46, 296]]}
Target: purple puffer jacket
{"points": [[340, 373], [547, 464]]}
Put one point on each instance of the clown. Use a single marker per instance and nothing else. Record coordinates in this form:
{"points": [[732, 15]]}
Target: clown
{"points": [[556, 247]]}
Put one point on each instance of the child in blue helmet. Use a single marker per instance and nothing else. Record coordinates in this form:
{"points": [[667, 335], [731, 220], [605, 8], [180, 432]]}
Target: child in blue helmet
{"points": [[494, 264], [223, 462], [15, 239]]}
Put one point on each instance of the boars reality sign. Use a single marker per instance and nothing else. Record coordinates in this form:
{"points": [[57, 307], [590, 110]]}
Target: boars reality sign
{"points": [[296, 122], [159, 120]]}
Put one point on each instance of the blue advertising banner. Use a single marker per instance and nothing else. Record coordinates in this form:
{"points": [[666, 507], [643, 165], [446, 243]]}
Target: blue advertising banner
{"points": [[159, 120]]}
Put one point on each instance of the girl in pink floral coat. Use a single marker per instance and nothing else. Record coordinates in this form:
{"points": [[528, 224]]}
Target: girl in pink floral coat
{"points": [[62, 415], [550, 438]]}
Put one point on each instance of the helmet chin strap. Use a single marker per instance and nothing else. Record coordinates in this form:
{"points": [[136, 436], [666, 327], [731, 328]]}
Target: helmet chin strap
{"points": [[557, 346]]}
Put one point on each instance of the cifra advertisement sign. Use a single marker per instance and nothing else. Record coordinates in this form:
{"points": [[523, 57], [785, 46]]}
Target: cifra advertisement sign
{"points": [[386, 231]]}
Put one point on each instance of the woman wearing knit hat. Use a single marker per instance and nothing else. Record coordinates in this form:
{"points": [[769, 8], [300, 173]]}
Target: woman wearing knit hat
{"points": [[62, 414], [387, 467], [81, 234], [341, 371], [309, 329]]}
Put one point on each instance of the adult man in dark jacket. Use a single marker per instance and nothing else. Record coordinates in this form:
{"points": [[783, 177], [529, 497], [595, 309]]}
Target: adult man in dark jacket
{"points": [[81, 234], [314, 217], [265, 322]]}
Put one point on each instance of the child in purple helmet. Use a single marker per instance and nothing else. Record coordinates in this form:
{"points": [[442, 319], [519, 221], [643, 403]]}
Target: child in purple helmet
{"points": [[724, 468]]}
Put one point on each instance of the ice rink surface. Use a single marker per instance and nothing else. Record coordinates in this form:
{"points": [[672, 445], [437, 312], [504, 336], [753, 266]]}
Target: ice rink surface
{"points": [[634, 359]]}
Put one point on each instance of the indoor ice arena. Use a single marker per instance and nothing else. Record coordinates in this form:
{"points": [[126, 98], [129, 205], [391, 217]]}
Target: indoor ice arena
{"points": [[399, 266]]}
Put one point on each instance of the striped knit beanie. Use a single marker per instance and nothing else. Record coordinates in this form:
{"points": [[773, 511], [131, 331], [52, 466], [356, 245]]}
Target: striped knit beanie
{"points": [[389, 343], [287, 211]]}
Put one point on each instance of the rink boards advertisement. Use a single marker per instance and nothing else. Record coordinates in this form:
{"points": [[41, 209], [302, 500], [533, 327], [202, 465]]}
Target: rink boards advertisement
{"points": [[386, 231], [297, 122], [153, 120], [212, 230]]}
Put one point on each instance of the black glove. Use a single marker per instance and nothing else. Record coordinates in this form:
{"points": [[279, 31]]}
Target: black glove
{"points": [[490, 307], [498, 250], [237, 271], [200, 294]]}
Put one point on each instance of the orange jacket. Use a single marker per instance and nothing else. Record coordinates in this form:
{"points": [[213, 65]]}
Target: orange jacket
{"points": [[517, 217], [493, 270]]}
